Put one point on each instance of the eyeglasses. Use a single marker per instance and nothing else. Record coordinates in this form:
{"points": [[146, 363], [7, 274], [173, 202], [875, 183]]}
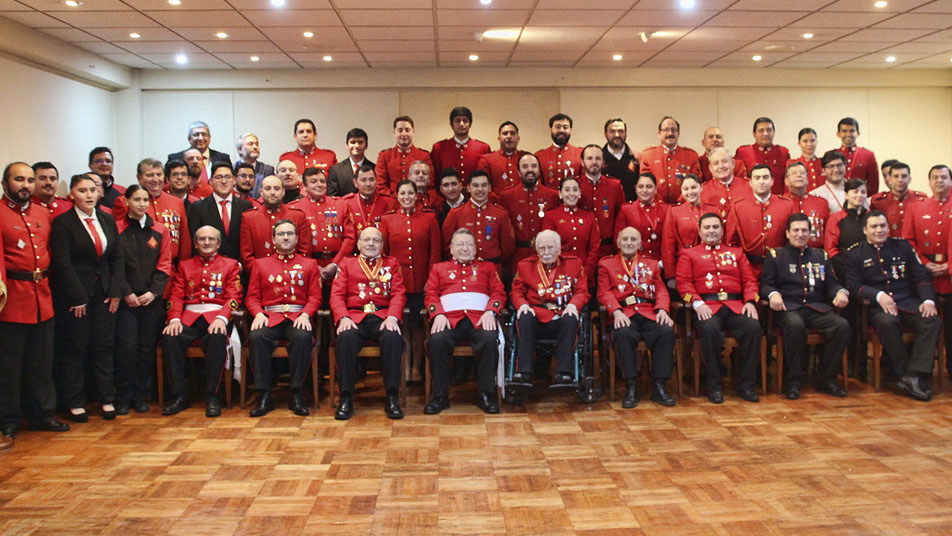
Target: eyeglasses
{"points": [[223, 177], [246, 176]]}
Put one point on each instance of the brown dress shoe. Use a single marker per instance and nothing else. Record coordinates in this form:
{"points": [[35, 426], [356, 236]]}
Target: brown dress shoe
{"points": [[6, 443]]}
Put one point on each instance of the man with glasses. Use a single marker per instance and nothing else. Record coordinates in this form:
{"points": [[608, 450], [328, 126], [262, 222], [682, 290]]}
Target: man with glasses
{"points": [[200, 137], [101, 163], [245, 183], [668, 162], [834, 189], [221, 210], [164, 207]]}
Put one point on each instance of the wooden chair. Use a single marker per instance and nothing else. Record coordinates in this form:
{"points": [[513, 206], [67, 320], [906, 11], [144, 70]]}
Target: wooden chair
{"points": [[281, 352], [642, 350], [908, 336], [462, 349], [729, 344]]}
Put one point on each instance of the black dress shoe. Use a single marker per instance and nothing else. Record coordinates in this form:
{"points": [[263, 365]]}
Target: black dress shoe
{"points": [[831, 388], [48, 425], [265, 405], [345, 408], [297, 405], [122, 408], [562, 381], [631, 395], [438, 404], [749, 395], [659, 393], [792, 392], [523, 378], [141, 407], [487, 403], [81, 417], [716, 395], [178, 405], [912, 386], [392, 408], [109, 414], [6, 442], [212, 406]]}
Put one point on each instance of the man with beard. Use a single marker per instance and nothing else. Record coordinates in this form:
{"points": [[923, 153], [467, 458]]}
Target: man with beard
{"points": [[287, 171], [245, 183], [44, 191], [526, 205], [257, 224], [198, 174], [307, 154], [668, 162], [460, 151], [502, 166], [393, 164], [602, 195], [620, 163], [248, 153], [833, 191], [561, 159], [362, 209]]}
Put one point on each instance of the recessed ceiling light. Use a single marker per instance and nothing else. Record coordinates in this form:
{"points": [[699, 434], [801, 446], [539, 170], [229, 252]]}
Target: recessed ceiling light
{"points": [[277, 3], [501, 34], [617, 57], [73, 3], [181, 59], [890, 59], [135, 35], [473, 57], [807, 36], [687, 4], [881, 4], [328, 58], [254, 58], [485, 2], [221, 35], [758, 57], [175, 2], [309, 34]]}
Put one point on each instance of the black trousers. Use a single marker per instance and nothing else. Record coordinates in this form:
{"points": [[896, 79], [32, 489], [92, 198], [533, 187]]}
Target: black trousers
{"points": [[947, 321], [262, 343], [214, 347], [796, 326], [658, 338], [890, 328], [747, 332], [564, 329], [351, 341], [137, 330], [26, 362], [485, 345], [86, 341]]}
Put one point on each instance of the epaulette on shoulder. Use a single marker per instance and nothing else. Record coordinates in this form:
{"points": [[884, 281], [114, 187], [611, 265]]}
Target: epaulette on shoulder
{"points": [[773, 252], [853, 246]]}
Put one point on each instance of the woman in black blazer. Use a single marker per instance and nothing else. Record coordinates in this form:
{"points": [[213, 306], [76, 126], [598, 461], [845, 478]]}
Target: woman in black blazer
{"points": [[87, 277]]}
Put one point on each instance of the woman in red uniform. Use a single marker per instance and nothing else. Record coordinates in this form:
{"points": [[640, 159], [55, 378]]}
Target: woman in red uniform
{"points": [[412, 235], [647, 214], [680, 224], [576, 227], [807, 141]]}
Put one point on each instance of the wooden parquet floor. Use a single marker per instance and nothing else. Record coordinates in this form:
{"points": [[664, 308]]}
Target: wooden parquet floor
{"points": [[873, 463]]}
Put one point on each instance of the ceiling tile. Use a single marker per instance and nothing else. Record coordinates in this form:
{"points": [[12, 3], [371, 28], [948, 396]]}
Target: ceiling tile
{"points": [[667, 64], [242, 5], [13, 5], [573, 17], [99, 47], [70, 34], [399, 56], [779, 46], [789, 64], [922, 21], [668, 17], [195, 18], [535, 55], [540, 64], [384, 17], [921, 48], [397, 33], [473, 64], [628, 38], [825, 56], [195, 66], [737, 64], [227, 45], [778, 5], [487, 45], [405, 46], [885, 36], [715, 5], [122, 34], [628, 58], [944, 36], [169, 59], [88, 5], [105, 19], [33, 19], [263, 65], [386, 4], [247, 33], [702, 45], [161, 47], [483, 56], [893, 6], [303, 17], [244, 57], [594, 5], [315, 57], [547, 37], [839, 20], [755, 19], [666, 55], [859, 47], [819, 34], [939, 6], [130, 60], [747, 57], [161, 5], [495, 17], [335, 65], [735, 34]]}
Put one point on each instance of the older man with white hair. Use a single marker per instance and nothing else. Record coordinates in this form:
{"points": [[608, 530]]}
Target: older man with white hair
{"points": [[249, 150]]}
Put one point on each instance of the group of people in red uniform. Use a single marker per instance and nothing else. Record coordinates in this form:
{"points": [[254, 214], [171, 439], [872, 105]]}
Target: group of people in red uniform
{"points": [[451, 234]]}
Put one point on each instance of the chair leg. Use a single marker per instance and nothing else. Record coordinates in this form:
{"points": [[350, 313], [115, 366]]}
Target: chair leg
{"points": [[243, 381], [846, 369], [679, 366], [428, 382], [315, 376], [229, 374], [404, 367], [611, 374], [697, 368], [331, 376], [877, 354], [779, 364], [763, 365], [160, 375]]}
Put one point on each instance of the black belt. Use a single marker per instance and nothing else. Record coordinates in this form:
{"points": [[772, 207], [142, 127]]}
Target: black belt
{"points": [[494, 260], [722, 296], [607, 241], [523, 244], [36, 275], [324, 255], [632, 300], [759, 259]]}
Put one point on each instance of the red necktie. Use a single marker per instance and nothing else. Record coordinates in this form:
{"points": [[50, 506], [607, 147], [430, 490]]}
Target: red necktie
{"points": [[356, 167], [96, 240], [224, 215], [203, 178]]}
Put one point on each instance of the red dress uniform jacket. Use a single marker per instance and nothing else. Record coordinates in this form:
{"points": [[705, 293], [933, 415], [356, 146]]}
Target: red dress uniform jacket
{"points": [[362, 288], [604, 198], [775, 156], [429, 201], [816, 177], [247, 197], [257, 241], [559, 162], [414, 240], [393, 165], [927, 226], [719, 276], [319, 158], [756, 226], [490, 224], [632, 286], [324, 219], [526, 209], [579, 234], [649, 220], [550, 291], [740, 168], [213, 281], [462, 156], [26, 234], [202, 190], [861, 164], [56, 207], [818, 210], [681, 233], [359, 214], [723, 196], [503, 169], [170, 212], [451, 281], [284, 280], [669, 167], [895, 208]]}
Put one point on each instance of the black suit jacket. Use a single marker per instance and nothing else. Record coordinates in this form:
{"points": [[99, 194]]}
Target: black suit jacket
{"points": [[213, 155], [803, 278], [895, 269], [340, 178], [208, 212], [80, 275]]}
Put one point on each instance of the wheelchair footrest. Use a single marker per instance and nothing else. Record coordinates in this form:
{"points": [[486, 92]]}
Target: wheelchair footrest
{"points": [[564, 387]]}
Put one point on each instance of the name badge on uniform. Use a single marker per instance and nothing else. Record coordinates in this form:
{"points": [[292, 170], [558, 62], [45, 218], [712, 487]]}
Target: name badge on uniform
{"points": [[793, 268], [867, 263]]}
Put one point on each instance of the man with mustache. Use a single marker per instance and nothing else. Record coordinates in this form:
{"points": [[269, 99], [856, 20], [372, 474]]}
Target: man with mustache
{"points": [[502, 166], [561, 159], [763, 151], [527, 205], [44, 193], [620, 162], [668, 162]]}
